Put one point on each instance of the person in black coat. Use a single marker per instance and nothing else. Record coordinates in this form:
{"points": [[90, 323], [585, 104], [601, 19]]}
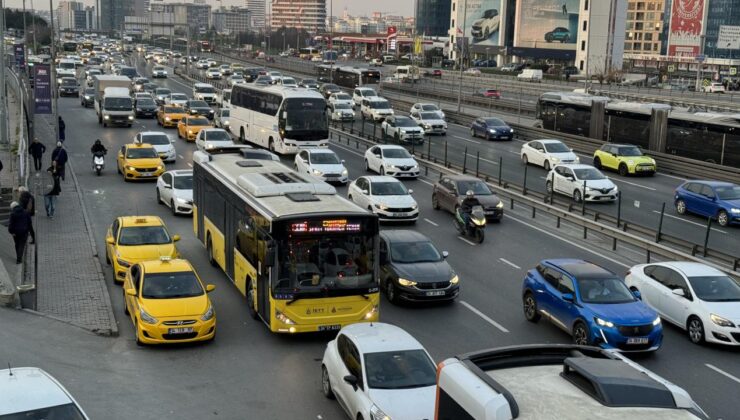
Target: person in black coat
{"points": [[19, 225], [50, 198], [36, 149], [59, 159], [62, 127], [28, 203]]}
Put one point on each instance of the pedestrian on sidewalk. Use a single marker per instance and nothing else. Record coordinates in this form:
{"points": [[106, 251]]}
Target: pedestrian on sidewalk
{"points": [[37, 149], [28, 203], [18, 227], [59, 159], [62, 126], [50, 198]]}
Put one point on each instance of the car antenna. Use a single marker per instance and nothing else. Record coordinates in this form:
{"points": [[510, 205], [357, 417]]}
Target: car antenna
{"points": [[10, 371]]}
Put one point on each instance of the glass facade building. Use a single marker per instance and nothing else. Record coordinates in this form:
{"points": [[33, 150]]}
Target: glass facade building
{"points": [[433, 17], [720, 12]]}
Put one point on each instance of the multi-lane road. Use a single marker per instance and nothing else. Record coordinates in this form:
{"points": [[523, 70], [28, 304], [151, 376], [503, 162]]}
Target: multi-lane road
{"points": [[249, 372]]}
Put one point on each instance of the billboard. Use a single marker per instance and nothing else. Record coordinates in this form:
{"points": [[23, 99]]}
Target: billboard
{"points": [[687, 25], [481, 23], [729, 37], [549, 24], [42, 89], [20, 55]]}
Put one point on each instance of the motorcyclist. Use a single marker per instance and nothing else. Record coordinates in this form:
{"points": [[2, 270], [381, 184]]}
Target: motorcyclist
{"points": [[98, 148], [466, 207]]}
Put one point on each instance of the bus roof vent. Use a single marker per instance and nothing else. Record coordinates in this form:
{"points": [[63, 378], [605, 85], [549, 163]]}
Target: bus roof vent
{"points": [[273, 184], [249, 163]]}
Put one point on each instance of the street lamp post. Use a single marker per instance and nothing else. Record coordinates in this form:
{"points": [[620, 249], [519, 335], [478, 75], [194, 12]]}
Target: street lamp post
{"points": [[331, 40], [462, 55], [55, 104], [4, 138]]}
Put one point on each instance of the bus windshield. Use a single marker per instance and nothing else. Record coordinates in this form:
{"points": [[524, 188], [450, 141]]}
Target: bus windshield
{"points": [[306, 119], [371, 78]]}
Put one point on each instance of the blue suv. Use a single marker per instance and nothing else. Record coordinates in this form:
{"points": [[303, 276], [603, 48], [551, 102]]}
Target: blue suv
{"points": [[592, 304], [715, 199]]}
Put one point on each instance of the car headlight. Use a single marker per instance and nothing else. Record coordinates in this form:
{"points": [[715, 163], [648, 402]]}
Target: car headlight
{"points": [[656, 321], [181, 200], [346, 173], [130, 168], [226, 122], [282, 318], [167, 119], [145, 317], [722, 322], [123, 263], [577, 159], [652, 161], [381, 206], [427, 126], [138, 109], [372, 312], [511, 131], [555, 159], [106, 117], [160, 167], [734, 210], [492, 130], [377, 414], [209, 314], [407, 283], [455, 279], [317, 172], [603, 323], [130, 117], [500, 205], [87, 97], [190, 131]]}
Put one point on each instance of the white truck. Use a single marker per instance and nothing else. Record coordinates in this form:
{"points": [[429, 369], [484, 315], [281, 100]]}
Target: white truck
{"points": [[113, 102], [408, 74], [556, 381]]}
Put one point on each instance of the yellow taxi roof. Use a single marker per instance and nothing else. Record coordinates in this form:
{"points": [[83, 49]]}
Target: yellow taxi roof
{"points": [[129, 221], [140, 145], [197, 118], [167, 266]]}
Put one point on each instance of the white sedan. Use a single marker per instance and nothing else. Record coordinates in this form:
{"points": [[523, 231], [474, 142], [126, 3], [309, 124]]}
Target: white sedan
{"points": [[288, 82], [427, 107], [202, 64], [547, 153], [391, 160], [379, 371], [340, 98], [235, 80], [213, 74], [385, 196], [211, 138], [161, 143], [159, 72], [700, 299], [179, 99], [580, 182], [175, 189], [430, 122], [321, 163]]}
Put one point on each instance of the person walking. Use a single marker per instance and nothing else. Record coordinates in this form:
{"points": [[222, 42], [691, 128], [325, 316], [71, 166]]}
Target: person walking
{"points": [[37, 150], [59, 159], [18, 227], [28, 203], [62, 127], [50, 198]]}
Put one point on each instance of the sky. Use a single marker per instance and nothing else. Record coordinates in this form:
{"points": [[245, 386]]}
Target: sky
{"points": [[355, 7]]}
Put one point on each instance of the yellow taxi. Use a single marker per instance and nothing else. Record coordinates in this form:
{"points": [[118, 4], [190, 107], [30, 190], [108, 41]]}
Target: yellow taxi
{"points": [[168, 303], [132, 239], [139, 161], [189, 127], [170, 115]]}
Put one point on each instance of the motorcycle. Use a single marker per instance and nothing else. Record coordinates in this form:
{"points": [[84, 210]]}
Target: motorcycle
{"points": [[475, 227], [98, 162]]}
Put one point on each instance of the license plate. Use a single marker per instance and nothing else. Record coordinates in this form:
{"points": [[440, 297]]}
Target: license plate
{"points": [[330, 327], [490, 212], [147, 174], [400, 214], [184, 330], [637, 340], [644, 169], [436, 293]]}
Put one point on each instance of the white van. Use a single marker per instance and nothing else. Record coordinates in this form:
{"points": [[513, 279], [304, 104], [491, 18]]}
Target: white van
{"points": [[530, 75], [375, 108]]}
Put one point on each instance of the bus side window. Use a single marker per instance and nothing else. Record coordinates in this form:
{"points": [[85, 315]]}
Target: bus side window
{"points": [[246, 241]]}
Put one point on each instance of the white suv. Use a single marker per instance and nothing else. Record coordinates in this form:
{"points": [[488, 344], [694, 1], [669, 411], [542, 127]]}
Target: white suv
{"points": [[714, 87], [362, 92], [375, 108]]}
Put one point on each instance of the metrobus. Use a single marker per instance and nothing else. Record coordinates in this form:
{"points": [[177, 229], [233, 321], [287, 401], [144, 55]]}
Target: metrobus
{"points": [[303, 257], [69, 46], [308, 53], [349, 77], [688, 132], [282, 119], [205, 46]]}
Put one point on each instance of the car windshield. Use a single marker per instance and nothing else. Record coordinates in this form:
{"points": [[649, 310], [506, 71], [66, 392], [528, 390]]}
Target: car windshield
{"points": [[588, 174], [405, 122], [728, 192], [198, 104], [64, 411], [495, 122], [324, 159], [141, 153], [225, 112], [117, 104], [716, 288], [478, 187], [158, 139], [162, 92], [173, 110], [178, 97], [198, 121], [69, 82], [217, 135], [342, 96], [389, 188], [171, 285], [429, 116], [144, 235], [414, 252], [430, 107], [604, 291], [90, 91], [379, 105], [331, 88], [556, 147], [308, 81], [205, 89], [403, 369], [288, 81], [143, 80], [394, 153], [629, 151], [342, 105]]}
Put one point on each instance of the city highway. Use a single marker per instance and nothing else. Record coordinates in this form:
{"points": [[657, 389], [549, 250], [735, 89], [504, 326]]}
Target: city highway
{"points": [[249, 372]]}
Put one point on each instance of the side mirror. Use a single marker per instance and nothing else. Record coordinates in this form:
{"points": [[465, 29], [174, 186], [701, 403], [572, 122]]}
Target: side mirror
{"points": [[352, 380], [131, 292], [637, 294], [175, 238], [445, 254], [568, 297], [679, 292], [210, 288], [366, 192], [168, 186], [342, 161], [110, 241]]}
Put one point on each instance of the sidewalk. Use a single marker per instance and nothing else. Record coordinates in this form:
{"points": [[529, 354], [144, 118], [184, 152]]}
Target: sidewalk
{"points": [[71, 285]]}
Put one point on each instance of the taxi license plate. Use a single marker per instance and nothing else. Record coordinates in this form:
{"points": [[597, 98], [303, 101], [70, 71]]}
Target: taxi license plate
{"points": [[637, 340], [183, 330], [436, 293], [330, 327]]}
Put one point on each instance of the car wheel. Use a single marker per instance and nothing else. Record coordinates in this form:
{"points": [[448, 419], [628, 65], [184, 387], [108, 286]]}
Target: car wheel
{"points": [[326, 383], [577, 196], [623, 169], [250, 300], [159, 197], [367, 166], [125, 306], [546, 165], [597, 163], [680, 207], [107, 258], [472, 132], [173, 208], [382, 170], [531, 313], [695, 329], [435, 202], [722, 218], [209, 247], [138, 336], [390, 291], [581, 334], [525, 160]]}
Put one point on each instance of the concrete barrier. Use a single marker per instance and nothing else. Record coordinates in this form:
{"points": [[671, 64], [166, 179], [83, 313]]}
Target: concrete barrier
{"points": [[8, 293]]}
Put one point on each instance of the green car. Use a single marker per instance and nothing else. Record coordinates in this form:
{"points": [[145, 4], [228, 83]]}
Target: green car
{"points": [[627, 159]]}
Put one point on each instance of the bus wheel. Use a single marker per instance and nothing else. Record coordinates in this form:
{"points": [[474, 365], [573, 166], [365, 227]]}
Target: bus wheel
{"points": [[241, 135], [209, 246], [271, 146], [250, 300]]}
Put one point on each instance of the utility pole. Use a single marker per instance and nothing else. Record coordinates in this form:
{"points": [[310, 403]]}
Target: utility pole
{"points": [[4, 138], [463, 44], [699, 65], [24, 24], [187, 51], [331, 40], [53, 67]]}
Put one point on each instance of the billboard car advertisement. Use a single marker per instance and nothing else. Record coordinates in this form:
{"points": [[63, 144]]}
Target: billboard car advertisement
{"points": [[482, 23], [547, 24], [687, 25]]}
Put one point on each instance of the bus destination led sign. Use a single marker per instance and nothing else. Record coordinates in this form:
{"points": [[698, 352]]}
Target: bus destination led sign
{"points": [[324, 226]]}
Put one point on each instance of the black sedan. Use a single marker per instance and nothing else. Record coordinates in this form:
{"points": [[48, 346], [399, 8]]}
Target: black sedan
{"points": [[68, 87], [449, 192], [328, 88], [491, 129], [413, 270], [87, 97], [146, 107], [194, 107]]}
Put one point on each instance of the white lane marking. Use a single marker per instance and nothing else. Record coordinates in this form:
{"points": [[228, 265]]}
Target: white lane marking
{"points": [[689, 221], [722, 372], [468, 140], [425, 181], [483, 159], [180, 156], [484, 316], [633, 183], [190, 164], [671, 176], [505, 261], [466, 241], [516, 153], [430, 222], [569, 242]]}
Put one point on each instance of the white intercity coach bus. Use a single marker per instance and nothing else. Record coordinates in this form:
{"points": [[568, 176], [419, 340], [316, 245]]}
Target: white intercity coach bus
{"points": [[282, 119]]}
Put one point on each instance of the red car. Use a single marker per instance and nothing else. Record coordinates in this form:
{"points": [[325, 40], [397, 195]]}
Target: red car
{"points": [[433, 73], [488, 93]]}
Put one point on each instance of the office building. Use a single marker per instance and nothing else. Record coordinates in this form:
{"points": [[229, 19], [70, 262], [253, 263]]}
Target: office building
{"points": [[309, 15], [113, 12], [723, 13], [66, 13], [432, 17], [232, 21], [644, 27], [257, 11], [600, 41], [195, 16]]}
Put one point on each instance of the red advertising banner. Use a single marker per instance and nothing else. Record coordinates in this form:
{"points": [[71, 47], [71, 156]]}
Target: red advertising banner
{"points": [[687, 18]]}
